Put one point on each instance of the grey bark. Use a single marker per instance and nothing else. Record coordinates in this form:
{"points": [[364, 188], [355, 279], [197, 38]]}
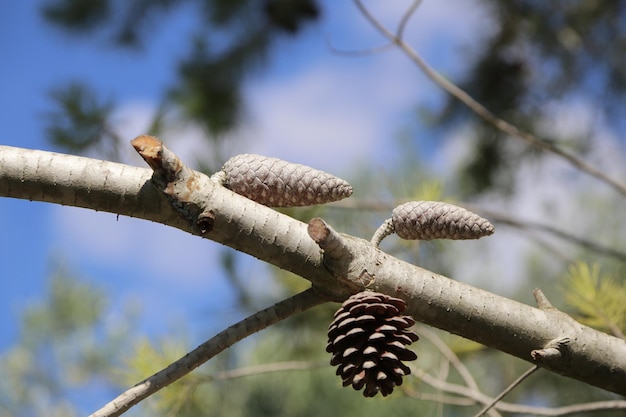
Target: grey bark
{"points": [[518, 329]]}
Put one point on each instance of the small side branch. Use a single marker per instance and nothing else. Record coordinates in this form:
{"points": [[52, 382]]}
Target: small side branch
{"points": [[164, 162], [542, 301], [223, 340], [180, 185], [334, 246], [553, 352]]}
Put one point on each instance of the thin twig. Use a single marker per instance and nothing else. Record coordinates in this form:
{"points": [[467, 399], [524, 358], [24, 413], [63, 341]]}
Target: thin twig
{"points": [[449, 355], [508, 389], [483, 112], [469, 397], [223, 340], [268, 368], [359, 52], [453, 359], [406, 17], [582, 242]]}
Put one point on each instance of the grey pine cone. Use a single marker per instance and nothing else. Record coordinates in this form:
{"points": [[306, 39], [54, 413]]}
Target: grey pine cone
{"points": [[426, 220], [277, 183], [368, 340]]}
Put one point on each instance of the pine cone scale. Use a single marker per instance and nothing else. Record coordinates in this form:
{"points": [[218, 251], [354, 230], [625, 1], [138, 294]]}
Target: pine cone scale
{"points": [[277, 183], [368, 339], [426, 220]]}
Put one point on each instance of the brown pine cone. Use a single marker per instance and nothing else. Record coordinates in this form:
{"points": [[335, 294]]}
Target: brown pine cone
{"points": [[368, 340], [277, 183], [426, 220]]}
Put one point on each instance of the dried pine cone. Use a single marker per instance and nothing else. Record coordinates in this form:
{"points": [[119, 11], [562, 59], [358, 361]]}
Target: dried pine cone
{"points": [[427, 220], [368, 340], [277, 183]]}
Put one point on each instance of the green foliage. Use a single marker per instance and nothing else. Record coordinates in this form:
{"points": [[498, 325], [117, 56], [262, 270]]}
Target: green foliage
{"points": [[71, 306], [146, 358], [210, 77], [209, 91], [77, 14], [64, 347], [598, 298], [125, 21], [81, 122]]}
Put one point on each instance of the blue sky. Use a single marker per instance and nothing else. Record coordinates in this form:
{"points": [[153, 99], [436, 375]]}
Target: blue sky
{"points": [[311, 106]]}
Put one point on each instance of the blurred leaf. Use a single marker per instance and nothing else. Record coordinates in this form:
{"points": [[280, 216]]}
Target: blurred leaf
{"points": [[72, 305], [146, 359], [210, 81], [81, 122], [76, 15], [426, 190], [289, 15], [64, 349], [209, 92], [598, 298]]}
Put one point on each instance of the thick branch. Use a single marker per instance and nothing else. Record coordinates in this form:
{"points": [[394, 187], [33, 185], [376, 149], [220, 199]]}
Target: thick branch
{"points": [[106, 186], [590, 356]]}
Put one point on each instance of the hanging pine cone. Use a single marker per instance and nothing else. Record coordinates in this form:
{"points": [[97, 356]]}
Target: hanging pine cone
{"points": [[426, 220], [368, 340], [277, 183]]}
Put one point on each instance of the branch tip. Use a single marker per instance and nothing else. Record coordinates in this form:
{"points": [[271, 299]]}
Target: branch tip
{"points": [[150, 149], [318, 230], [163, 161], [542, 301], [552, 351], [147, 146], [332, 243]]}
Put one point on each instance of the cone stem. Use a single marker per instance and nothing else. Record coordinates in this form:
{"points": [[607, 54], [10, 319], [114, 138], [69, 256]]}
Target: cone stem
{"points": [[382, 232]]}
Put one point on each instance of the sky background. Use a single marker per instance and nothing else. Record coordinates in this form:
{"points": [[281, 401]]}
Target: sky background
{"points": [[311, 106]]}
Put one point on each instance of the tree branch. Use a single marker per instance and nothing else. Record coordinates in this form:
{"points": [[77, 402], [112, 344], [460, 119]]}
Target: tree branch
{"points": [[249, 227], [223, 340]]}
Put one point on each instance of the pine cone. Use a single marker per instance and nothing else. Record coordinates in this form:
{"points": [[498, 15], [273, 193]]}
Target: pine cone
{"points": [[368, 340], [277, 183], [426, 220]]}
